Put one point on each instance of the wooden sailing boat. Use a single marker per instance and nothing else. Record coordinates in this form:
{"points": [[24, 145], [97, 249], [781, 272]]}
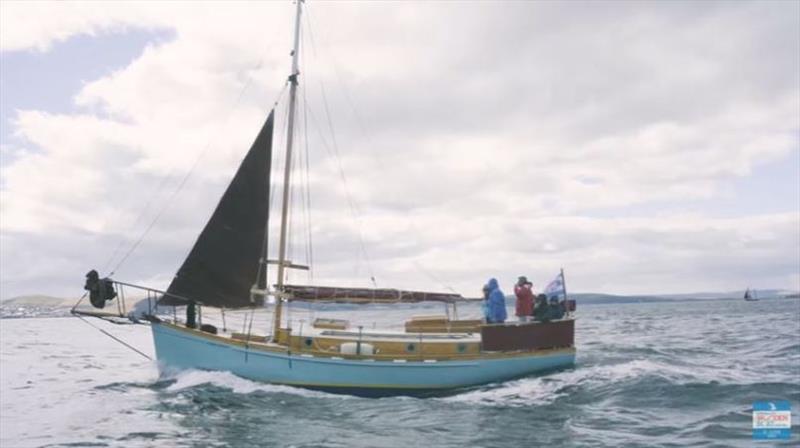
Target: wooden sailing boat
{"points": [[226, 269]]}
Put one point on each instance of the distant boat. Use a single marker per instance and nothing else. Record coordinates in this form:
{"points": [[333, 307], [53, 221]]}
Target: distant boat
{"points": [[750, 297], [226, 269]]}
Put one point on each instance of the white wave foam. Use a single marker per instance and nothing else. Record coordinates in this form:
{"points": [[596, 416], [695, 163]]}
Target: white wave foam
{"points": [[525, 392], [546, 389], [186, 379]]}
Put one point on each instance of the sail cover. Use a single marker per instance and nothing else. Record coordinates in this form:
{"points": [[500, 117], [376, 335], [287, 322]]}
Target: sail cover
{"points": [[365, 295], [223, 265]]}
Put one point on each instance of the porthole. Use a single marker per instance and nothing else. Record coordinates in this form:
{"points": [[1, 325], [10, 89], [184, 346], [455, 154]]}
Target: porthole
{"points": [[461, 348], [309, 342], [411, 347]]}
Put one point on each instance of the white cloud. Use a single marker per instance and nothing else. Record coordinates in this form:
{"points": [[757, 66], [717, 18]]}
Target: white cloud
{"points": [[492, 134], [39, 25]]}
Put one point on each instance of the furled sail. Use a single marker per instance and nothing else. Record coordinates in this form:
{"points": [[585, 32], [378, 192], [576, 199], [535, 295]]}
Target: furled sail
{"points": [[364, 295], [223, 265]]}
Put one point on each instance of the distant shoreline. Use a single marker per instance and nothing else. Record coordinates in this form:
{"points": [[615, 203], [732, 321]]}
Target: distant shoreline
{"points": [[582, 298], [28, 307]]}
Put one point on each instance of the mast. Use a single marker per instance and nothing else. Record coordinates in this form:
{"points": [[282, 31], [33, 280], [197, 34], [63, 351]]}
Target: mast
{"points": [[282, 263]]}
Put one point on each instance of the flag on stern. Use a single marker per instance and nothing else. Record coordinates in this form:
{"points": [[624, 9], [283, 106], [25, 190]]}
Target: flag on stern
{"points": [[556, 288]]}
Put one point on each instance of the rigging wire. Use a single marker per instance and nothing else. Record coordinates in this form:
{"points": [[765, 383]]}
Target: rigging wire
{"points": [[297, 194], [307, 182], [365, 134], [310, 241], [113, 337], [346, 94], [351, 203], [156, 193], [79, 301], [354, 209], [433, 277], [290, 212]]}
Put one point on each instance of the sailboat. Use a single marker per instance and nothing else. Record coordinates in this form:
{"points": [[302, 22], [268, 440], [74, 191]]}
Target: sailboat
{"points": [[750, 297], [227, 269]]}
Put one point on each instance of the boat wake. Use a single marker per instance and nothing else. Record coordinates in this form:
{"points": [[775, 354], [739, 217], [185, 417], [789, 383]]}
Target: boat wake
{"points": [[183, 380], [595, 379], [547, 389]]}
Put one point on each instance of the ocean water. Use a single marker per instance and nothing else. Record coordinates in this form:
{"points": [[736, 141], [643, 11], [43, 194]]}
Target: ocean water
{"points": [[649, 374]]}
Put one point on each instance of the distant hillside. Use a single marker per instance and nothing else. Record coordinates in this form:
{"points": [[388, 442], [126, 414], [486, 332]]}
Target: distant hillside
{"points": [[761, 293], [590, 298], [37, 300], [35, 306]]}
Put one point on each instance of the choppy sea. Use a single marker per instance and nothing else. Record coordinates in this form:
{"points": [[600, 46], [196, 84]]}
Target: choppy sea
{"points": [[648, 374]]}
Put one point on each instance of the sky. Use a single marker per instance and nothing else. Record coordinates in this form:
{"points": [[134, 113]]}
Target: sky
{"points": [[643, 147]]}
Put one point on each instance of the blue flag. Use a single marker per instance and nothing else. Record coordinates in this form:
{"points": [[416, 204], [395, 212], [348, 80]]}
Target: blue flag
{"points": [[556, 288]]}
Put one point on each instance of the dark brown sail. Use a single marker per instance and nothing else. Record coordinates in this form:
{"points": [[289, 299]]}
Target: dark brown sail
{"points": [[224, 263]]}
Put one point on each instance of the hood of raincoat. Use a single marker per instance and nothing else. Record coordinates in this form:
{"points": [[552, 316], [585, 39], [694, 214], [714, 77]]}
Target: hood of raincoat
{"points": [[492, 284]]}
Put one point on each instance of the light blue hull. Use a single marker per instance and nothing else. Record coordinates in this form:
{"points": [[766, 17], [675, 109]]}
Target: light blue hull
{"points": [[181, 349]]}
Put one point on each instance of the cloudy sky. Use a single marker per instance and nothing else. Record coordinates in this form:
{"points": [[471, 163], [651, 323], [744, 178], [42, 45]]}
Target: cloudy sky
{"points": [[643, 146]]}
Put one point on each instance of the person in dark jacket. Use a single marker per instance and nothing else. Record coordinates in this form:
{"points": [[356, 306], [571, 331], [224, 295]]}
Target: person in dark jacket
{"points": [[497, 303], [191, 315], [542, 311], [556, 309]]}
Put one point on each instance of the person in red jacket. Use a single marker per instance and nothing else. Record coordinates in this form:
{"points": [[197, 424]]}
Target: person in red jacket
{"points": [[524, 299]]}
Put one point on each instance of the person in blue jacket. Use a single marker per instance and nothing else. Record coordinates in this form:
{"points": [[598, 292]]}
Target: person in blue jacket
{"points": [[496, 304]]}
